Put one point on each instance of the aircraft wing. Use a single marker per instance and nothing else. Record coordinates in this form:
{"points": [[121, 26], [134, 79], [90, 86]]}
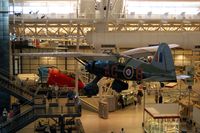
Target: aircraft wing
{"points": [[80, 55], [144, 51], [134, 53]]}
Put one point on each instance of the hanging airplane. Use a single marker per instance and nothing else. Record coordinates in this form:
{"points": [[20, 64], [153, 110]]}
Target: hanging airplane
{"points": [[124, 66], [50, 76], [53, 76]]}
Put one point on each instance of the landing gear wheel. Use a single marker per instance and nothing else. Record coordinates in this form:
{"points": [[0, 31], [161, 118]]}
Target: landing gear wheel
{"points": [[91, 89]]}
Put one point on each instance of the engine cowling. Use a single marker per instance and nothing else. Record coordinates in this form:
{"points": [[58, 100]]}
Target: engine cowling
{"points": [[119, 85]]}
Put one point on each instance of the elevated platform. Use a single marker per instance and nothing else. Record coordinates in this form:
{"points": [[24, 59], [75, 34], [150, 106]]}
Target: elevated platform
{"points": [[21, 93], [53, 110]]}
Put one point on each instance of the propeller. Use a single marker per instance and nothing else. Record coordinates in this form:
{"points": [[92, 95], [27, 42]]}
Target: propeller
{"points": [[84, 63]]}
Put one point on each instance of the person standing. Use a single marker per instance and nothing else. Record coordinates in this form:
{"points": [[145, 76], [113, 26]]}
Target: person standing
{"points": [[49, 95], [122, 130], [5, 115], [139, 97], [156, 97], [160, 98], [121, 101], [135, 99], [56, 92]]}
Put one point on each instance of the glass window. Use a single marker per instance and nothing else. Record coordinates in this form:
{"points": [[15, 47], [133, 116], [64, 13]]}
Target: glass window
{"points": [[162, 7], [45, 7]]}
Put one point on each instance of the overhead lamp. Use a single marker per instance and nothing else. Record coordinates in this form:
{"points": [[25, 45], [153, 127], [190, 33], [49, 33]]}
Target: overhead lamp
{"points": [[149, 14], [182, 14], [132, 13], [166, 14], [186, 21], [141, 21], [164, 21]]}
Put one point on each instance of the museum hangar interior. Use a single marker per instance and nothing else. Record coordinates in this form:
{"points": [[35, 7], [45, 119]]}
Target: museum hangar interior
{"points": [[100, 66]]}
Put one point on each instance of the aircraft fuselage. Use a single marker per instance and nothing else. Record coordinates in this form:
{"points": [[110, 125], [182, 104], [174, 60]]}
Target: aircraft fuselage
{"points": [[115, 70]]}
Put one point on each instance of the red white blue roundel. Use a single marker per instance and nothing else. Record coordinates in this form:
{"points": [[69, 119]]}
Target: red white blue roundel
{"points": [[128, 72]]}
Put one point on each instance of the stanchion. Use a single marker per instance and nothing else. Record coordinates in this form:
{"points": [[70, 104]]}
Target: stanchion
{"points": [[144, 88]]}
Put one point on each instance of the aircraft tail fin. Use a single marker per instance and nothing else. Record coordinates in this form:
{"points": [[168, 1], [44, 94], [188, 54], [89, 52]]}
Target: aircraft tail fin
{"points": [[163, 60]]}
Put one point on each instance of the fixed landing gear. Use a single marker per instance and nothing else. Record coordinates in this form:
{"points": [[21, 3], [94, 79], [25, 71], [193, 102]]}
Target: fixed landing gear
{"points": [[92, 88]]}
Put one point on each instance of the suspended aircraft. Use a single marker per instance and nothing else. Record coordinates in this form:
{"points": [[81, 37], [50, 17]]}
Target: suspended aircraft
{"points": [[53, 76], [123, 66]]}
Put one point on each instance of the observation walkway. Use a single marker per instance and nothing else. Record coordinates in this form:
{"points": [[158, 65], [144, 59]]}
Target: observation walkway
{"points": [[37, 110], [53, 110]]}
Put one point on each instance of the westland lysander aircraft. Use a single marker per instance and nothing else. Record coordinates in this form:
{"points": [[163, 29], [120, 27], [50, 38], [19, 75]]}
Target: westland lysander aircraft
{"points": [[124, 66]]}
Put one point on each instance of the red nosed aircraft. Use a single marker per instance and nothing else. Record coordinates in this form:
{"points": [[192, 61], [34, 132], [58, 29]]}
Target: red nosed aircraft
{"points": [[54, 76]]}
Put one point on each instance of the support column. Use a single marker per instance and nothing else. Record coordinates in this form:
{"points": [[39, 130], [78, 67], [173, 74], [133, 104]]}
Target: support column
{"points": [[76, 63], [4, 50], [62, 123]]}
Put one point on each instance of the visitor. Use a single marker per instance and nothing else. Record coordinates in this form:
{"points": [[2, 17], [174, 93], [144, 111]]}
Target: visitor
{"points": [[139, 97], [122, 130], [5, 115], [49, 95], [135, 99], [121, 101], [160, 98], [56, 92], [156, 97]]}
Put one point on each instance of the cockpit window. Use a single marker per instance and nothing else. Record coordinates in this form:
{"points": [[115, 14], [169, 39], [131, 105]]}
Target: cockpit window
{"points": [[122, 60]]}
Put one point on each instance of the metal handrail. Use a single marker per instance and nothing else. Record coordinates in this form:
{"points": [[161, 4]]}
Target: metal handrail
{"points": [[10, 82], [16, 90], [39, 111]]}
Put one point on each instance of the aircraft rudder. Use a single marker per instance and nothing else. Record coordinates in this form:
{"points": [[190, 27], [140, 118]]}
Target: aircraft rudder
{"points": [[163, 60]]}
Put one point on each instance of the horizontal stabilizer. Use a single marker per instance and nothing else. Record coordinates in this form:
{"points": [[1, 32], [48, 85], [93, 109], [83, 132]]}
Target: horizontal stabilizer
{"points": [[160, 79], [183, 76]]}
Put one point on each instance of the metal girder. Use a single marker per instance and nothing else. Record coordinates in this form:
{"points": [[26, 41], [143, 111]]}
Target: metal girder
{"points": [[68, 31]]}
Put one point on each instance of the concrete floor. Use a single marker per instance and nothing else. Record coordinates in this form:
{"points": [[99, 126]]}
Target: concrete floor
{"points": [[129, 118]]}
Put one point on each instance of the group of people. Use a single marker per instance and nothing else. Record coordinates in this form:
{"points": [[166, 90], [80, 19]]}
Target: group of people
{"points": [[7, 115]]}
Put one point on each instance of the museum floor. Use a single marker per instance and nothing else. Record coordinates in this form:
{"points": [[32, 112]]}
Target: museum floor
{"points": [[129, 118]]}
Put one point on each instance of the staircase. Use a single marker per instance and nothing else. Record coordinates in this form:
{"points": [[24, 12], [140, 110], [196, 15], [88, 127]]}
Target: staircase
{"points": [[9, 87], [18, 122], [38, 111], [91, 104]]}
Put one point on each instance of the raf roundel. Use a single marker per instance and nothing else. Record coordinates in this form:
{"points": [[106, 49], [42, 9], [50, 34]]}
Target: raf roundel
{"points": [[128, 72]]}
